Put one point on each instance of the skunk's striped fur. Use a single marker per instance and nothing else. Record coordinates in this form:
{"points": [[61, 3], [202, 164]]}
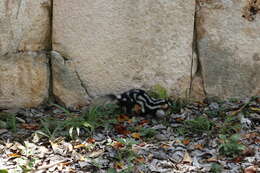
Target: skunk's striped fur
{"points": [[148, 105]]}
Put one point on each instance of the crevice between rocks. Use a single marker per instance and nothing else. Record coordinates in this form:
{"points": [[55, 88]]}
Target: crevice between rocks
{"points": [[196, 52], [83, 85], [51, 95]]}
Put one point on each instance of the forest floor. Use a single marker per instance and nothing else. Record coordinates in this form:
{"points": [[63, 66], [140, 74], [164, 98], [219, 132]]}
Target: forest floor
{"points": [[213, 136]]}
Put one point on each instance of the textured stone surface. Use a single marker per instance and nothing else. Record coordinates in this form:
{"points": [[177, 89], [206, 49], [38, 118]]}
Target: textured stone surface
{"points": [[229, 49], [67, 87], [24, 80], [116, 45], [24, 25]]}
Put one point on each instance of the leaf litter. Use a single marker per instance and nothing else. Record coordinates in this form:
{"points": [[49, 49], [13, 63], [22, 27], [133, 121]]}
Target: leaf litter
{"points": [[212, 136]]}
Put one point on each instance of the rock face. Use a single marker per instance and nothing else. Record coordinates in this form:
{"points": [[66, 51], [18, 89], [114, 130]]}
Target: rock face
{"points": [[24, 77], [24, 25], [229, 49], [66, 86], [118, 45], [24, 80]]}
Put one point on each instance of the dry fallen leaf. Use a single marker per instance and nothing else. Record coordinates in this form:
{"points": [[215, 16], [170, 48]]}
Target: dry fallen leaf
{"points": [[186, 141], [80, 146], [96, 153], [143, 122], [30, 126], [118, 165], [165, 146], [250, 169], [14, 155], [136, 135], [91, 140], [186, 158], [139, 160], [248, 152], [212, 159], [122, 118], [255, 109], [121, 130], [199, 146], [118, 145]]}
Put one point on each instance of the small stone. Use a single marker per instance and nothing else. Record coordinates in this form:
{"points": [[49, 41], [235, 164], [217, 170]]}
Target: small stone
{"points": [[160, 155], [214, 106], [161, 137]]}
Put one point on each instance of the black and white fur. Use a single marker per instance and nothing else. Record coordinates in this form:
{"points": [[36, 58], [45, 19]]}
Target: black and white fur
{"points": [[148, 104]]}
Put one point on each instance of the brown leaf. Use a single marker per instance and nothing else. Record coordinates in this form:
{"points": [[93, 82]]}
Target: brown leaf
{"points": [[248, 152], [118, 145], [136, 135], [30, 126], [199, 146], [212, 159], [121, 130], [143, 122], [122, 118], [142, 144], [238, 159], [179, 119], [91, 140], [165, 146], [250, 169], [186, 141], [139, 160]]}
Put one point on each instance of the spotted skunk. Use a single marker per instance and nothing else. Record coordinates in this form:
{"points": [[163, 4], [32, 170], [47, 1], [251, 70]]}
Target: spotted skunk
{"points": [[139, 101]]}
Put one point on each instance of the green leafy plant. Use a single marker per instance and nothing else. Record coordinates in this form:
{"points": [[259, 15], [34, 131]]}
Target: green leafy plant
{"points": [[11, 122], [177, 105], [148, 132], [94, 117], [230, 125], [157, 91], [230, 147], [126, 152], [216, 168], [199, 125], [8, 120]]}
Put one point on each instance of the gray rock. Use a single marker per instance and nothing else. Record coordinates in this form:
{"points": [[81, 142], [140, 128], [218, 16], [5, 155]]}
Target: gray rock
{"points": [[67, 86], [228, 46], [26, 77], [118, 45], [24, 26]]}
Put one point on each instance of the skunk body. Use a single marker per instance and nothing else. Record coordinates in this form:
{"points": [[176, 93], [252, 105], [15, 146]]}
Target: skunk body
{"points": [[137, 98]]}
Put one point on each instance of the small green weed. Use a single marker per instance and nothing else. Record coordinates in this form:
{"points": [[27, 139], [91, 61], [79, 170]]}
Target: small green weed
{"points": [[157, 91], [177, 105], [8, 120], [148, 132], [230, 125], [199, 125], [230, 147], [216, 168], [126, 152], [94, 117]]}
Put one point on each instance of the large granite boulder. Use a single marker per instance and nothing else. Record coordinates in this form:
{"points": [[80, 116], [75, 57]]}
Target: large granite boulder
{"points": [[24, 25], [229, 49], [24, 80], [67, 87], [118, 45]]}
